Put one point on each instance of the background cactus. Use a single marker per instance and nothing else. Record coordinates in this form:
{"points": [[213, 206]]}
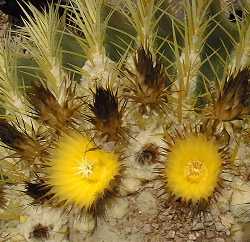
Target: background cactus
{"points": [[113, 109]]}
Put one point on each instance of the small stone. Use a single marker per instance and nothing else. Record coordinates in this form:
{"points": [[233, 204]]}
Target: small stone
{"points": [[197, 236], [208, 224], [162, 217], [192, 237], [219, 240], [210, 234], [228, 232], [168, 226], [197, 226], [169, 217], [156, 226], [168, 211], [181, 235], [178, 239], [178, 225], [171, 234], [147, 228], [208, 218], [219, 227]]}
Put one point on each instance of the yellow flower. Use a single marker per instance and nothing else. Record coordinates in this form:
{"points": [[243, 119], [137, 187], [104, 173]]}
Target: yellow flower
{"points": [[79, 173], [193, 168]]}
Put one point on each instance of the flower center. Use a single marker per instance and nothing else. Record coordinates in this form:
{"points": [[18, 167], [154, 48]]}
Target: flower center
{"points": [[85, 169], [194, 171]]}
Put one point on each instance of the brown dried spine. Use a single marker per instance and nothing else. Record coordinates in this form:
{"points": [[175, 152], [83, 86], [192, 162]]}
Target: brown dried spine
{"points": [[39, 191], [25, 146], [40, 232], [107, 114], [149, 84], [47, 109], [231, 103], [2, 196]]}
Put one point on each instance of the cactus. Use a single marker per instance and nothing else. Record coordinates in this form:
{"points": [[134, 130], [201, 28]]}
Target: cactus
{"points": [[113, 109]]}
